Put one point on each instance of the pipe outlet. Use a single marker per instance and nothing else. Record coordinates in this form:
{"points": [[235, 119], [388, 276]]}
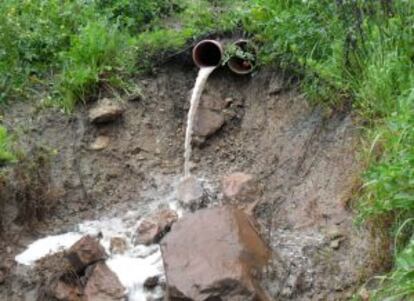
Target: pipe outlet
{"points": [[207, 53]]}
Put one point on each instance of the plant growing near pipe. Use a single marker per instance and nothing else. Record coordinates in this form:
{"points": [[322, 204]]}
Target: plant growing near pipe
{"points": [[240, 56]]}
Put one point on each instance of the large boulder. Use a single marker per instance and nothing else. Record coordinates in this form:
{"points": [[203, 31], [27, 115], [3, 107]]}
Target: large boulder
{"points": [[103, 285], [105, 111], [214, 254], [84, 252], [154, 227]]}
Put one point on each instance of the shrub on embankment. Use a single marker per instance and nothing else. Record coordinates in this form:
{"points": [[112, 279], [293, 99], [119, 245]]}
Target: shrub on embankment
{"points": [[359, 51]]}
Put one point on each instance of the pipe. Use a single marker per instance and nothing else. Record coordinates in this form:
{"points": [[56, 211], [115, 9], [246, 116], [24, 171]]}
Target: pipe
{"points": [[207, 53], [244, 65]]}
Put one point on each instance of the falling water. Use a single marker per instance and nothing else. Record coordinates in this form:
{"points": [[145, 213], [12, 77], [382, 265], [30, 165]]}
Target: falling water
{"points": [[195, 100]]}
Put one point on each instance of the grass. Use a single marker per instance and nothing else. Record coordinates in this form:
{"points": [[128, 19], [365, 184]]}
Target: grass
{"points": [[359, 51], [343, 51], [65, 51], [6, 154]]}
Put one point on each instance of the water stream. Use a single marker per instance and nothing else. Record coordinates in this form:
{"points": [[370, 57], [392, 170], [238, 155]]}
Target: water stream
{"points": [[202, 77]]}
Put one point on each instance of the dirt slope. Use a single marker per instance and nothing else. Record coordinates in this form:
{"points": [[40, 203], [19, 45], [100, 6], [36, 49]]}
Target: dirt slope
{"points": [[304, 157]]}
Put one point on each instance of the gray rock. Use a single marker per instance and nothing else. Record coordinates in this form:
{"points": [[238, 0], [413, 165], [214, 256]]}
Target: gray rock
{"points": [[105, 111]]}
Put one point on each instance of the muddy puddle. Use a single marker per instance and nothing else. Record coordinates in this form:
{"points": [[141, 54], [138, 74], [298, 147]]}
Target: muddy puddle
{"points": [[302, 157]]}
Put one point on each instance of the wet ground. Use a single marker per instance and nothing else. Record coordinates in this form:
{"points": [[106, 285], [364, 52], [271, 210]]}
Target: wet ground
{"points": [[303, 156]]}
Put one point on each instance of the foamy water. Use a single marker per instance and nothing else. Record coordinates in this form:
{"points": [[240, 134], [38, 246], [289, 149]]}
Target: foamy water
{"points": [[202, 77], [132, 267]]}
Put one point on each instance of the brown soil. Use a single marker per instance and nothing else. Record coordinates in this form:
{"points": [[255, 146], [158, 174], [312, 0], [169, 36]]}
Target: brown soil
{"points": [[304, 157]]}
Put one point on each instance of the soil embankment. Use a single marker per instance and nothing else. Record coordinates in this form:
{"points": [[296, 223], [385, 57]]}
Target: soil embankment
{"points": [[302, 156]]}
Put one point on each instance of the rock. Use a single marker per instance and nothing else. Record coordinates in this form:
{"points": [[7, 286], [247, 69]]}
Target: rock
{"points": [[65, 291], [153, 228], [103, 285], [333, 232], [117, 245], [212, 102], [335, 244], [84, 252], [151, 282], [100, 143], [191, 194], [207, 122], [105, 111], [240, 187], [214, 254], [228, 101]]}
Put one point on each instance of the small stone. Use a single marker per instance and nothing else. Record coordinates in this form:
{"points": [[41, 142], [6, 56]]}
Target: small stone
{"points": [[228, 101], [335, 244], [333, 232], [212, 102], [103, 285], [100, 143], [207, 122], [84, 252], [151, 282], [105, 111], [191, 194], [240, 187], [154, 227], [118, 245]]}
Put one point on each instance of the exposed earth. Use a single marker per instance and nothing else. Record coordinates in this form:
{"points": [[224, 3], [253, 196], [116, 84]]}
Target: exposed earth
{"points": [[301, 157]]}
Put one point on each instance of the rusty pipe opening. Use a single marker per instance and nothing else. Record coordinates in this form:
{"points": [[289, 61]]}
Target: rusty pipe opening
{"points": [[207, 53], [243, 60]]}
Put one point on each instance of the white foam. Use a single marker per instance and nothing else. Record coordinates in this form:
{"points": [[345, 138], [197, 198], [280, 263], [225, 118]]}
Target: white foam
{"points": [[46, 246], [132, 271], [133, 267]]}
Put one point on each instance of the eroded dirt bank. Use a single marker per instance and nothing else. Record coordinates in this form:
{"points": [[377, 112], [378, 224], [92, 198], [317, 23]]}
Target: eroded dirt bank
{"points": [[303, 156]]}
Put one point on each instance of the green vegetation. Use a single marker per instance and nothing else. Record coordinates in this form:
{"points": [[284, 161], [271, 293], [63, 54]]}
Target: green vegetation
{"points": [[70, 48], [6, 154], [360, 51], [343, 51]]}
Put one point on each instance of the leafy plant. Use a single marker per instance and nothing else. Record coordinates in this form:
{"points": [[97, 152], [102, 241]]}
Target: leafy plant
{"points": [[247, 53]]}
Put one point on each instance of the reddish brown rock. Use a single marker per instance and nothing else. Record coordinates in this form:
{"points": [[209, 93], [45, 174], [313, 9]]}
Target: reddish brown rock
{"points": [[153, 228], [105, 111], [214, 254], [207, 122], [240, 187], [84, 252], [103, 285], [65, 291]]}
